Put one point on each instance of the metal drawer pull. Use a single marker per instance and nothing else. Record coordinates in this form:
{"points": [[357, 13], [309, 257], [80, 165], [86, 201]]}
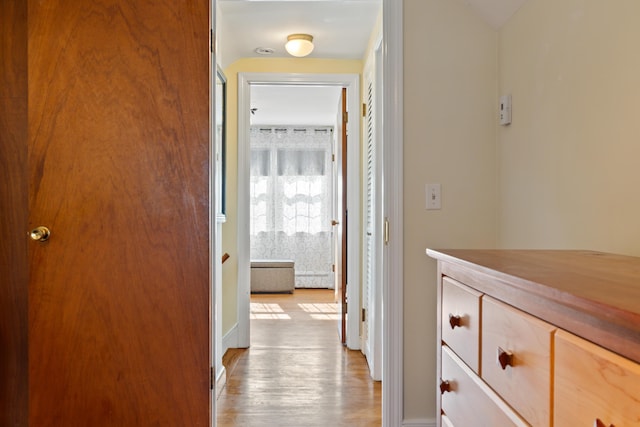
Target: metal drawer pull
{"points": [[598, 423], [455, 320], [505, 358], [445, 386]]}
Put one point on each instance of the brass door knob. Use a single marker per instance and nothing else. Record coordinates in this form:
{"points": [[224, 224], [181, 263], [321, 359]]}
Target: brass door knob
{"points": [[40, 234]]}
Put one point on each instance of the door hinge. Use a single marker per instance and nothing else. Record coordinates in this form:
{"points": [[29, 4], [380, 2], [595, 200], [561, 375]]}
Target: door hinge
{"points": [[386, 231], [333, 268], [212, 379], [364, 314], [345, 117], [364, 110], [212, 41], [344, 307], [333, 157]]}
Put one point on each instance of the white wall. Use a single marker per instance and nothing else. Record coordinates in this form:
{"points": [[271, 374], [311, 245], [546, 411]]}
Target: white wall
{"points": [[569, 163], [562, 175], [450, 87]]}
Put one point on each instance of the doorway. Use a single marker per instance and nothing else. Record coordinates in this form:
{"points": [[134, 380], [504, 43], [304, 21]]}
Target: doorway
{"points": [[292, 135], [245, 83]]}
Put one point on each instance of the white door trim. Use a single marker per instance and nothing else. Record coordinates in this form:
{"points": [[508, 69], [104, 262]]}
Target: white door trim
{"points": [[215, 235], [352, 83], [393, 284]]}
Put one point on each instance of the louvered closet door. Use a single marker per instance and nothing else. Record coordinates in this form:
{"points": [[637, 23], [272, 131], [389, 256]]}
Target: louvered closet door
{"points": [[369, 253]]}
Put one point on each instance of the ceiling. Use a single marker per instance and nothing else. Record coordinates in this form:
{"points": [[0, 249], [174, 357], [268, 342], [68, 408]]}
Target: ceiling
{"points": [[341, 30], [294, 105]]}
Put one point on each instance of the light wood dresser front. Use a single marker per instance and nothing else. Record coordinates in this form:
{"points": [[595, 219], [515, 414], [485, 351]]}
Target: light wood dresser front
{"points": [[538, 338]]}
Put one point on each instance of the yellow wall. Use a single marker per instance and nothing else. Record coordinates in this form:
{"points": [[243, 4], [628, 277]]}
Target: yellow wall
{"points": [[229, 239], [450, 86], [569, 162]]}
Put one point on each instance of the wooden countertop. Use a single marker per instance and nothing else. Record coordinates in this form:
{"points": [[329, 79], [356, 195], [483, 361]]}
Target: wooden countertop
{"points": [[594, 295]]}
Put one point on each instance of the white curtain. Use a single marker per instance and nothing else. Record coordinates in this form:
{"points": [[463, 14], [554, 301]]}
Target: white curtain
{"points": [[291, 200]]}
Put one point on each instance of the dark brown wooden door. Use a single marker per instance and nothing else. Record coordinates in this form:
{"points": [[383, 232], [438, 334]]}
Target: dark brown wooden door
{"points": [[13, 208], [118, 164]]}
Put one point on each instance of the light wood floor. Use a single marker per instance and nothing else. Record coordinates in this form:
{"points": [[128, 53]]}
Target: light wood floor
{"points": [[296, 372]]}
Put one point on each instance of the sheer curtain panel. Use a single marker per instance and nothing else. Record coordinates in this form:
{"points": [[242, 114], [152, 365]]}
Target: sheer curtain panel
{"points": [[291, 200]]}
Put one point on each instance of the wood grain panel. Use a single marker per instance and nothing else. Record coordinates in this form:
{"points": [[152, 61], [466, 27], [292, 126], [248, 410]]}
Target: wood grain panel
{"points": [[592, 293], [563, 287], [464, 340], [608, 385], [526, 384], [119, 171], [470, 402], [579, 275], [13, 212]]}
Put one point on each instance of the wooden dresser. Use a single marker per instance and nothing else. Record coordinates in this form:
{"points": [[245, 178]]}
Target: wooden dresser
{"points": [[538, 338]]}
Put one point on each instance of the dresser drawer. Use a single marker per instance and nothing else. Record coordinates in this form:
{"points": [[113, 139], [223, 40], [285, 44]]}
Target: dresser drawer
{"points": [[469, 402], [592, 384], [461, 321], [516, 359]]}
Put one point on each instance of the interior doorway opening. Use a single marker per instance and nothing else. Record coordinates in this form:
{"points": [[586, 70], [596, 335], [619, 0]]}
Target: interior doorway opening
{"points": [[247, 81], [292, 192]]}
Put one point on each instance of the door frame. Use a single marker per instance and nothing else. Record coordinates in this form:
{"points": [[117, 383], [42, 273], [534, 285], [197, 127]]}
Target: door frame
{"points": [[393, 253], [352, 83], [215, 232]]}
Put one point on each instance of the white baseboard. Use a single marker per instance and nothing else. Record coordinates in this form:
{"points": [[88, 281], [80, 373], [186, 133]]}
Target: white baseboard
{"points": [[221, 381], [230, 339], [419, 423]]}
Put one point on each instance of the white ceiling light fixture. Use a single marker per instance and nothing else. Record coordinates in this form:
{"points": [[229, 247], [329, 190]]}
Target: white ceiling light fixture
{"points": [[299, 45]]}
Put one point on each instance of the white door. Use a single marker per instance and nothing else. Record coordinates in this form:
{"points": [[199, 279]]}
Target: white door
{"points": [[368, 255], [372, 239]]}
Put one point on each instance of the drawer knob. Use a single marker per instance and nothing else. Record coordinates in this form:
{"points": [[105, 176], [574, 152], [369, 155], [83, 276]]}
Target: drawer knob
{"points": [[445, 386], [599, 423], [505, 358], [455, 320]]}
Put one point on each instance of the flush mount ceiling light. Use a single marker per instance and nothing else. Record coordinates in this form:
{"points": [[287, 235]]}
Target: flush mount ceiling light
{"points": [[299, 44]]}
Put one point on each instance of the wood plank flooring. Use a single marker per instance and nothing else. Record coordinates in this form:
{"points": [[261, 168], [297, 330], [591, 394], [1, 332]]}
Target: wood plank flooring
{"points": [[296, 372]]}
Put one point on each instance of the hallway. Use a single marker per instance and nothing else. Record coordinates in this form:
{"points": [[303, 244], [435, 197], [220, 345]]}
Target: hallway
{"points": [[296, 372]]}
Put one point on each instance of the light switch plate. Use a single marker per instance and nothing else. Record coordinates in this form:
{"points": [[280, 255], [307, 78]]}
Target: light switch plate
{"points": [[505, 110], [434, 198]]}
